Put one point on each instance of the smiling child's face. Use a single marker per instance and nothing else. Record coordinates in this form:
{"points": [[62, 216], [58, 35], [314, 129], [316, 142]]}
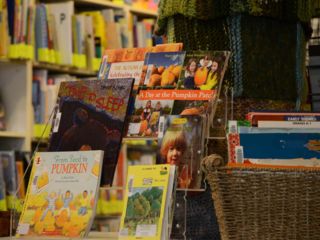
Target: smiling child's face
{"points": [[174, 155]]}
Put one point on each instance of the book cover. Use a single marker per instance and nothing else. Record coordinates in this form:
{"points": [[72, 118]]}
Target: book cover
{"points": [[254, 117], [145, 202], [180, 143], [144, 122], [90, 114], [203, 70], [128, 62], [276, 145], [62, 194], [10, 176], [3, 202], [162, 69]]}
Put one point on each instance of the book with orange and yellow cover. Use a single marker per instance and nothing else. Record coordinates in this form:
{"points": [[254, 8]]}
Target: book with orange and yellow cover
{"points": [[62, 194]]}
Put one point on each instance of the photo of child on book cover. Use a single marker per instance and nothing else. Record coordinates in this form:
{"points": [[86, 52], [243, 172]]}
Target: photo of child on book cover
{"points": [[203, 70], [179, 143]]}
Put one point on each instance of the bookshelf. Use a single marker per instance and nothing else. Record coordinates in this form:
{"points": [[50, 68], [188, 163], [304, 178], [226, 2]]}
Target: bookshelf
{"points": [[16, 76]]}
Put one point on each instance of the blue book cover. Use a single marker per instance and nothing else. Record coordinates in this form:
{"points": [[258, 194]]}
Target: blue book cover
{"points": [[280, 145]]}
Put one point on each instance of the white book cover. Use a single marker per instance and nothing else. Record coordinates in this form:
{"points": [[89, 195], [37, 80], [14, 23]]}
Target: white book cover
{"points": [[62, 194], [289, 124], [62, 13]]}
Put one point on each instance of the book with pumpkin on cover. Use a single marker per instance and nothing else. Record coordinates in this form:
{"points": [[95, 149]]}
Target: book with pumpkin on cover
{"points": [[62, 194], [90, 115], [203, 71]]}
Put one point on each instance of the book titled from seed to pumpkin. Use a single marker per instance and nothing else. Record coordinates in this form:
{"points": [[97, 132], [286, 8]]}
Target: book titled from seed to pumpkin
{"points": [[62, 194]]}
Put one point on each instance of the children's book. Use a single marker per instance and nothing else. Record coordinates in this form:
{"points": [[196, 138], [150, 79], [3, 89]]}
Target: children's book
{"points": [[144, 122], [62, 194], [273, 145], [203, 70], [162, 69], [90, 115], [10, 176], [296, 117], [180, 143], [147, 202], [3, 202], [128, 62]]}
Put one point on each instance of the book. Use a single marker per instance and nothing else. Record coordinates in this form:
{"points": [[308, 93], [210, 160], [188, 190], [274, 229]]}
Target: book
{"points": [[273, 145], [254, 117], [147, 202], [162, 69], [180, 143], [62, 194], [128, 62], [10, 176], [289, 124], [3, 202], [90, 114], [203, 70], [62, 13], [144, 122]]}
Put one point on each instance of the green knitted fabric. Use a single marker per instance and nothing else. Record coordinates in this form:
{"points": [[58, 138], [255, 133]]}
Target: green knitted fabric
{"points": [[267, 44], [288, 10]]}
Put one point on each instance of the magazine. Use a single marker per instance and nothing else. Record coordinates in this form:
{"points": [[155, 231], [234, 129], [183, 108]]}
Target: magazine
{"points": [[62, 194], [90, 115]]}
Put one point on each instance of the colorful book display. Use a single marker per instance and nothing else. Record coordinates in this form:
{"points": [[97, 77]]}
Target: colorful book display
{"points": [[62, 194], [149, 192], [90, 115]]}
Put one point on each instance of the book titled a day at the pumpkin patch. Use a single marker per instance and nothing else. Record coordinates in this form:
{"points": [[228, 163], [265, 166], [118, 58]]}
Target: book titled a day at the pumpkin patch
{"points": [[62, 194]]}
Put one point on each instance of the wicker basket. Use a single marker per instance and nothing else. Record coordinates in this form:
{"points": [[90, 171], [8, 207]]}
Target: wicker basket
{"points": [[265, 203]]}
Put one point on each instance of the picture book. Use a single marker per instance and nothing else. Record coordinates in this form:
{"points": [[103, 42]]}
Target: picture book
{"points": [[10, 176], [62, 193], [162, 69], [90, 115], [128, 62], [273, 145], [144, 122], [298, 117], [3, 202], [146, 202], [180, 142], [203, 70]]}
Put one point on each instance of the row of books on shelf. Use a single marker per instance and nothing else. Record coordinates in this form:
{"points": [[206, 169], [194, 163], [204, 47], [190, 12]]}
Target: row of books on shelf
{"points": [[54, 33], [288, 139]]}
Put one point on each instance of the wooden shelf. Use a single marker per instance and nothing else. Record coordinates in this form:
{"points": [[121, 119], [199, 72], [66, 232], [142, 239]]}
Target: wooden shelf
{"points": [[64, 69], [143, 12], [12, 134], [103, 3]]}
